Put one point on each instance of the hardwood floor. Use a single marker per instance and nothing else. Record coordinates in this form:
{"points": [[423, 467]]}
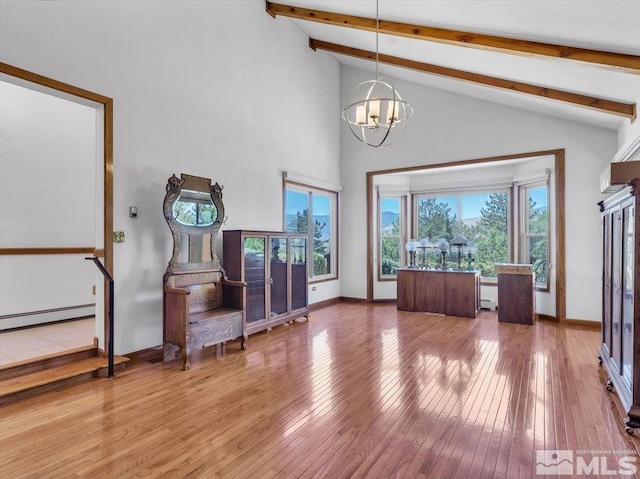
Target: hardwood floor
{"points": [[358, 391]]}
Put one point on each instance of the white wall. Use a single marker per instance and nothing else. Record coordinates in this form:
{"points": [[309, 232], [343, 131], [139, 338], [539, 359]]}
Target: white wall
{"points": [[217, 89], [448, 127], [47, 199]]}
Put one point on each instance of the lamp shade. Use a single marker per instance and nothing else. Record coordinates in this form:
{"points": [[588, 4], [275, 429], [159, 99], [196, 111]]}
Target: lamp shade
{"points": [[411, 246], [443, 245], [459, 241]]}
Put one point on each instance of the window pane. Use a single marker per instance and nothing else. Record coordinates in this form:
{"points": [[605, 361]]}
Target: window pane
{"points": [[390, 216], [485, 225], [321, 234], [536, 231], [438, 218], [297, 211], [314, 212], [390, 255], [390, 246], [537, 198], [537, 249]]}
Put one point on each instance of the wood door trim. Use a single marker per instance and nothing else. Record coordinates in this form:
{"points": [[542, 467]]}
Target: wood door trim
{"points": [[107, 104]]}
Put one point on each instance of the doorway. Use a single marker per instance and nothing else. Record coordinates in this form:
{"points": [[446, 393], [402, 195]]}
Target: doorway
{"points": [[56, 182]]}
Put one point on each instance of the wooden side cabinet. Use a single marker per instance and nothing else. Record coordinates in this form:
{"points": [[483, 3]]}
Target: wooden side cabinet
{"points": [[454, 293], [620, 348], [274, 267], [516, 293]]}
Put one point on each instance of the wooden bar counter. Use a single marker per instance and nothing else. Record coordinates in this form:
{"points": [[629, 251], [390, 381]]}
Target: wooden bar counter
{"points": [[516, 293], [454, 293]]}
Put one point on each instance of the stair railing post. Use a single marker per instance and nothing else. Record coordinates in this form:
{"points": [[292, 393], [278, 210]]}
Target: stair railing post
{"points": [[108, 277]]}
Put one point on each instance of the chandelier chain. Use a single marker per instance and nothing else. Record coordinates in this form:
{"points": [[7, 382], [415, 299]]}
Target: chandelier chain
{"points": [[377, 33], [375, 113]]}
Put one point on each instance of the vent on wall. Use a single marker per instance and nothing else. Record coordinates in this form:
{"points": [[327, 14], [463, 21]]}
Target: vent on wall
{"points": [[489, 304]]}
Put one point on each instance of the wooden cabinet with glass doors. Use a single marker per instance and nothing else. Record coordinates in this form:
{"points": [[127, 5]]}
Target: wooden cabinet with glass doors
{"points": [[620, 349], [274, 267]]}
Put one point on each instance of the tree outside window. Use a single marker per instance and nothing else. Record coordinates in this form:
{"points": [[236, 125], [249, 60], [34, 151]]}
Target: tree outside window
{"points": [[481, 218], [489, 231]]}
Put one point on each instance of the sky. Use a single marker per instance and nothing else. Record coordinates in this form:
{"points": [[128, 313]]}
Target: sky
{"points": [[297, 202], [471, 204]]}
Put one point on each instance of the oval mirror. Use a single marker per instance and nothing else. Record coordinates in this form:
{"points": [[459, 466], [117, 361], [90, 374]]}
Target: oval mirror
{"points": [[195, 208]]}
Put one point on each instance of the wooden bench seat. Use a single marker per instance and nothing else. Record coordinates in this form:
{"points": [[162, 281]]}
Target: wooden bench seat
{"points": [[201, 309]]}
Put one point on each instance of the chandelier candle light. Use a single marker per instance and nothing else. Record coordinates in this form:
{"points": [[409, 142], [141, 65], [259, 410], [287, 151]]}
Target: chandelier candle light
{"points": [[375, 112]]}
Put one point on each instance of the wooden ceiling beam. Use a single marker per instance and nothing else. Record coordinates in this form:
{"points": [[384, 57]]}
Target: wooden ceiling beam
{"points": [[619, 61], [627, 110]]}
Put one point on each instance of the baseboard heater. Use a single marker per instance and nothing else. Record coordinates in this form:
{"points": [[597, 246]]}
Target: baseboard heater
{"points": [[42, 317], [489, 304]]}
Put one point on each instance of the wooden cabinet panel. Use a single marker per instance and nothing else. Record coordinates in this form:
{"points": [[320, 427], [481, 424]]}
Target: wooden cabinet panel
{"points": [[454, 293], [406, 286], [516, 298], [430, 291], [463, 295]]}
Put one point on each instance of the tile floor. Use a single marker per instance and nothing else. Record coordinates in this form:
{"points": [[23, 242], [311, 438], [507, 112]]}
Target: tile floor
{"points": [[39, 341]]}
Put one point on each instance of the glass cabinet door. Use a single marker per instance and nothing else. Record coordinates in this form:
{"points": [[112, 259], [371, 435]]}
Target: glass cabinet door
{"points": [[606, 278], [298, 273], [627, 293], [254, 273], [616, 289], [279, 275]]}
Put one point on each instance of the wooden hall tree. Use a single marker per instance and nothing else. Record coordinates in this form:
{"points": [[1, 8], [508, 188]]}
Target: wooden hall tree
{"points": [[620, 348]]}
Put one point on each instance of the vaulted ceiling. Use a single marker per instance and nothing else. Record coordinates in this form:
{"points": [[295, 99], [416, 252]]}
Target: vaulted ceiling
{"points": [[574, 59]]}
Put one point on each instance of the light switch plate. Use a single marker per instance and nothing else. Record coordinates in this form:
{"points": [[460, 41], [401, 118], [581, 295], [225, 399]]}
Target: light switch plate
{"points": [[118, 237]]}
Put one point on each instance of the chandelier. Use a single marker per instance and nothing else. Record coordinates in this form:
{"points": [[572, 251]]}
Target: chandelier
{"points": [[375, 112]]}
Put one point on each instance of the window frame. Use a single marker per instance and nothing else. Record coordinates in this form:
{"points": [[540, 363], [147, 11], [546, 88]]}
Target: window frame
{"points": [[506, 189], [402, 235], [523, 226], [333, 227]]}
